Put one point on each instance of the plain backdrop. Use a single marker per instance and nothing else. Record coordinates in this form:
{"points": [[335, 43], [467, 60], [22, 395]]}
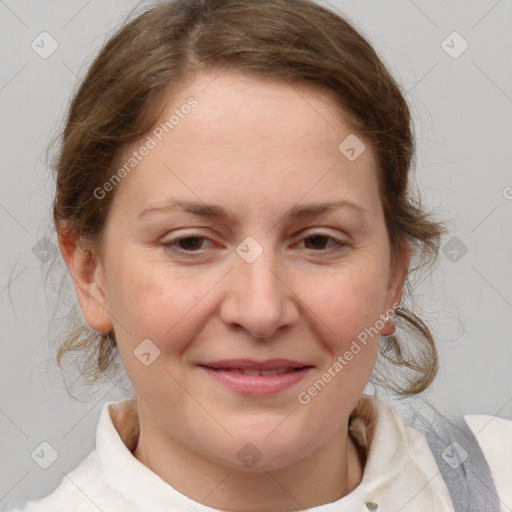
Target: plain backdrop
{"points": [[459, 86]]}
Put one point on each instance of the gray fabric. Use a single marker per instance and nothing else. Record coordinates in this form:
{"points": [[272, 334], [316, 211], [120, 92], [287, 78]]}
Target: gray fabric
{"points": [[461, 463]]}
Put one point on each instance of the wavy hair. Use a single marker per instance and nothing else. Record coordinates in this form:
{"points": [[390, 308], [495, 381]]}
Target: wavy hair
{"points": [[298, 41]]}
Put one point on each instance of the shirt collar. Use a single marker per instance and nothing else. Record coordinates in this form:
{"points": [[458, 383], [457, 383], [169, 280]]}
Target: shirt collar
{"points": [[374, 423]]}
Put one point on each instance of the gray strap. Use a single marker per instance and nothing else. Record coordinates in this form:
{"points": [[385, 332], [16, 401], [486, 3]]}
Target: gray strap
{"points": [[461, 464]]}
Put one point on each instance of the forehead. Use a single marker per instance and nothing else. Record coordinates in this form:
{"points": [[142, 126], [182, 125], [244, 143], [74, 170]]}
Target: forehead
{"points": [[231, 105], [250, 136]]}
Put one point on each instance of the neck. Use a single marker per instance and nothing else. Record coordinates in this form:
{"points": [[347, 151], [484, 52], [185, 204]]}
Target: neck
{"points": [[324, 476]]}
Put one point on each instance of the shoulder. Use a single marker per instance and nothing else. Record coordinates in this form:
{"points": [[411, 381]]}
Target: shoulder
{"points": [[494, 436], [84, 488], [471, 450]]}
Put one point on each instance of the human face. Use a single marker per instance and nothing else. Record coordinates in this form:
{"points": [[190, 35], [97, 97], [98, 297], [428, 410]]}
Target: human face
{"points": [[257, 149]]}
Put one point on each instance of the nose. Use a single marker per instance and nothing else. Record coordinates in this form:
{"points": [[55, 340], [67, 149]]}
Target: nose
{"points": [[259, 299]]}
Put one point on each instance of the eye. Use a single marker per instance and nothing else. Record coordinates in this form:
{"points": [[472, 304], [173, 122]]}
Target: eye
{"points": [[191, 243], [318, 241], [185, 244]]}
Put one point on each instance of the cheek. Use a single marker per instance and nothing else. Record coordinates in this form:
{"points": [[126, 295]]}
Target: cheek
{"points": [[138, 298], [347, 301], [155, 300], [150, 301], [348, 308]]}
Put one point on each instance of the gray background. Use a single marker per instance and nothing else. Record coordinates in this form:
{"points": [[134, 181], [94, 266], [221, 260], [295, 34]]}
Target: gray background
{"points": [[462, 110]]}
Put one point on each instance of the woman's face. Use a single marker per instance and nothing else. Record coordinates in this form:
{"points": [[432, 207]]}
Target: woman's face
{"points": [[221, 258]]}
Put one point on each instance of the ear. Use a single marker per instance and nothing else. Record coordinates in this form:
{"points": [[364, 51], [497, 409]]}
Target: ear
{"points": [[396, 286], [87, 274]]}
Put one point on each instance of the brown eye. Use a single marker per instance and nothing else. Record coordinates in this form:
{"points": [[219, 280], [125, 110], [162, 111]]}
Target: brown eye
{"points": [[190, 243], [187, 245], [317, 241]]}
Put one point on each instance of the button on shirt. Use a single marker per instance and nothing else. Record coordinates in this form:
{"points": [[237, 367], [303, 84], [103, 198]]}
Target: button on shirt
{"points": [[400, 473]]}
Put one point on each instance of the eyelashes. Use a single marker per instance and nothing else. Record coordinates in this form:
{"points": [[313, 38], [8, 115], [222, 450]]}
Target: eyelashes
{"points": [[316, 236], [190, 245]]}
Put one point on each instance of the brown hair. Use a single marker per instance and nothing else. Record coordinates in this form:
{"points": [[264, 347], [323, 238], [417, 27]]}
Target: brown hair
{"points": [[120, 100]]}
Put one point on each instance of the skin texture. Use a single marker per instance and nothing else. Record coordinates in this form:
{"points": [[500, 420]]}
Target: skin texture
{"points": [[256, 148]]}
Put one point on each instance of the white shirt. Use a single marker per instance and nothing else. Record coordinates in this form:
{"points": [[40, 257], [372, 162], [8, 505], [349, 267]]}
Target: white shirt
{"points": [[400, 474]]}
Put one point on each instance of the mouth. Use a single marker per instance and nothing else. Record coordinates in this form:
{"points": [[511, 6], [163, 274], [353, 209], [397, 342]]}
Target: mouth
{"points": [[257, 371], [256, 378]]}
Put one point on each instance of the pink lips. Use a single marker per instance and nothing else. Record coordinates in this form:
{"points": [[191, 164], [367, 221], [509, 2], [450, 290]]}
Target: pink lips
{"points": [[256, 378]]}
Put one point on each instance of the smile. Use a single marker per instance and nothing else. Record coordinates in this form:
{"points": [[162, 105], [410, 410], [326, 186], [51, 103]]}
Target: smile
{"points": [[253, 378], [258, 371]]}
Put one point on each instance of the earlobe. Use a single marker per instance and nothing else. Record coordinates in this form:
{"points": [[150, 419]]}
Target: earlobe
{"points": [[86, 273], [396, 285]]}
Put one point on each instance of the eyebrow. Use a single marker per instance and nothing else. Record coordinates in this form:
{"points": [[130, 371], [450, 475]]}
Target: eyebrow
{"points": [[211, 210]]}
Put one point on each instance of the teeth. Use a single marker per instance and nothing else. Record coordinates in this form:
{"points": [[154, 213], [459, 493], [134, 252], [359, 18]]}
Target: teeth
{"points": [[250, 372], [266, 373], [254, 372]]}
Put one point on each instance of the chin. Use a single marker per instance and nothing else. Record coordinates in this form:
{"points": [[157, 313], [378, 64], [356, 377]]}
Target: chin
{"points": [[260, 454]]}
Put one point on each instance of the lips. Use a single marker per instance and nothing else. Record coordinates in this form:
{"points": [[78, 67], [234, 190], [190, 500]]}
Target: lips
{"points": [[254, 367], [256, 378], [257, 371]]}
